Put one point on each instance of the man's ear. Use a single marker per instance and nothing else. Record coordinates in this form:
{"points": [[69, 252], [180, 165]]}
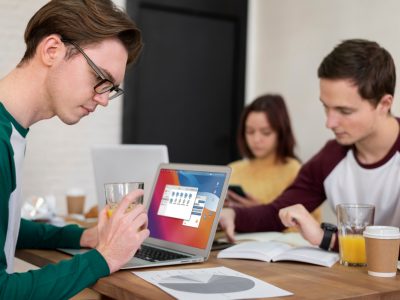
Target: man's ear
{"points": [[385, 104], [50, 50]]}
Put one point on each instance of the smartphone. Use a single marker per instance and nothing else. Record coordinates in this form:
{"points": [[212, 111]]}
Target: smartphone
{"points": [[237, 189], [218, 245]]}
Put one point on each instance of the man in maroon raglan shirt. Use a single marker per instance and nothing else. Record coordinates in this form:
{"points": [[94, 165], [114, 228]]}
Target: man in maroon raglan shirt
{"points": [[362, 163]]}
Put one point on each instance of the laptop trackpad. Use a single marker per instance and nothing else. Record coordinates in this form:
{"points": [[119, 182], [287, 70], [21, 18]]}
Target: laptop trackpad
{"points": [[136, 262]]}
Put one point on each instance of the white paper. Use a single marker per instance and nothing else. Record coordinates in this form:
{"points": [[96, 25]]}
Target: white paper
{"points": [[291, 238], [213, 283]]}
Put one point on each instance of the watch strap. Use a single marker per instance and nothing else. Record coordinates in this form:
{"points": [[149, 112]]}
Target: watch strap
{"points": [[329, 230], [326, 239]]}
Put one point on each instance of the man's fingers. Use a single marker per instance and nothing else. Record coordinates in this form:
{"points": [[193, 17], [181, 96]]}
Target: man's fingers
{"points": [[128, 199], [140, 221], [102, 218], [230, 234], [143, 234], [287, 218]]}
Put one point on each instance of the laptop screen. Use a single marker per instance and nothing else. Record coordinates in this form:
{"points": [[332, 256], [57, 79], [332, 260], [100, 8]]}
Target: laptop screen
{"points": [[183, 206]]}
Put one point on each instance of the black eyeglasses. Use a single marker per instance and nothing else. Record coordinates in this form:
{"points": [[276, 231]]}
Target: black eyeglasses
{"points": [[105, 85]]}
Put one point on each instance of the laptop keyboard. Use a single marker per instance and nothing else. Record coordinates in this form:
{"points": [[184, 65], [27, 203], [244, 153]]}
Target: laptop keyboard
{"points": [[155, 254]]}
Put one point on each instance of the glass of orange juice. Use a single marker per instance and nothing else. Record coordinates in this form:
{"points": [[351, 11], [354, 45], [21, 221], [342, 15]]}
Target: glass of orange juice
{"points": [[115, 192], [352, 221]]}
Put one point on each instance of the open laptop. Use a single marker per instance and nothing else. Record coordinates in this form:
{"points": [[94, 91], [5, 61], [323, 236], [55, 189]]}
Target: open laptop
{"points": [[183, 212], [126, 163]]}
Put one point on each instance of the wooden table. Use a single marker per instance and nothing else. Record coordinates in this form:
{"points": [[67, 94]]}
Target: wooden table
{"points": [[305, 281]]}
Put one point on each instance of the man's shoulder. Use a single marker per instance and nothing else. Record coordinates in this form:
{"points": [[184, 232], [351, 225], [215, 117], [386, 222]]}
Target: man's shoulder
{"points": [[332, 149], [5, 125], [5, 132], [5, 143], [328, 157]]}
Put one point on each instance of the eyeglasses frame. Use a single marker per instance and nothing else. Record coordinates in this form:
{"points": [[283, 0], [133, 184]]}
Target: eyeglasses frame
{"points": [[96, 69]]}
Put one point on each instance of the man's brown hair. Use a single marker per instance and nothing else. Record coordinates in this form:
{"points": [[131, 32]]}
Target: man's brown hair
{"points": [[83, 22], [369, 66]]}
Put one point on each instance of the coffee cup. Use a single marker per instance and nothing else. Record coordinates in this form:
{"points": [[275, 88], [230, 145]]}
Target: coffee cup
{"points": [[382, 247], [75, 201]]}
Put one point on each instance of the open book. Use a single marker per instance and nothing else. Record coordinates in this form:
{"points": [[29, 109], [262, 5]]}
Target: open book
{"points": [[277, 251]]}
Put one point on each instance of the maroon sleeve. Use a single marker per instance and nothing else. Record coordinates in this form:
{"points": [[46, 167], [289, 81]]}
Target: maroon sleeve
{"points": [[307, 189]]}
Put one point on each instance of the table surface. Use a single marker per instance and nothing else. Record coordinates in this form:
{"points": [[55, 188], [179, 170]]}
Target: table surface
{"points": [[304, 280]]}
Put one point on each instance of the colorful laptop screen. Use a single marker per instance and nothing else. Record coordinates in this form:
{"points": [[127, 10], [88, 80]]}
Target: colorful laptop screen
{"points": [[184, 205]]}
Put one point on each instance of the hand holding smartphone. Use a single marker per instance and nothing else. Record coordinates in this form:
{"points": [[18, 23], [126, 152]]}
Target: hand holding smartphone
{"points": [[237, 189]]}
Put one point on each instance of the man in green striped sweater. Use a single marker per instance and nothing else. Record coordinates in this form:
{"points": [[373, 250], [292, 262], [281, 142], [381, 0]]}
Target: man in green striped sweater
{"points": [[77, 52]]}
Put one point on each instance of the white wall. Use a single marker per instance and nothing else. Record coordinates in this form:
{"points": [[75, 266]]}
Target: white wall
{"points": [[286, 42], [57, 156], [288, 39]]}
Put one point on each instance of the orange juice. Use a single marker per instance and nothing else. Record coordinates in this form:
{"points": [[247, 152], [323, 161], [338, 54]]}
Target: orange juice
{"points": [[110, 211], [352, 249], [112, 207]]}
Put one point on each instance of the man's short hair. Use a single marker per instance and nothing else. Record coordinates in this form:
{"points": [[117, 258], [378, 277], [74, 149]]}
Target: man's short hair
{"points": [[369, 66], [83, 22]]}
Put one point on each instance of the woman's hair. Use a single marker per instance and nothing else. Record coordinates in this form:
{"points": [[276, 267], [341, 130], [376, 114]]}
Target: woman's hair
{"points": [[274, 108], [83, 22]]}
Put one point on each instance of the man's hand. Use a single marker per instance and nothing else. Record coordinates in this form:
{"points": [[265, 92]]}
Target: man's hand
{"points": [[234, 200], [297, 216], [89, 238], [121, 235], [227, 222]]}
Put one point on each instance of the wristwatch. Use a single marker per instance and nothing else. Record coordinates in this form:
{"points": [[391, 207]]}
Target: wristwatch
{"points": [[329, 230]]}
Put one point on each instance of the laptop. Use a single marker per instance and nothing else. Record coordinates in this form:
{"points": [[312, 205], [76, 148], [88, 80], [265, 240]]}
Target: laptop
{"points": [[126, 163], [183, 212]]}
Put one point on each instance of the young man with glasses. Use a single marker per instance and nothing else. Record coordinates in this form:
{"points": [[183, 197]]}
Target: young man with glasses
{"points": [[77, 52], [362, 163]]}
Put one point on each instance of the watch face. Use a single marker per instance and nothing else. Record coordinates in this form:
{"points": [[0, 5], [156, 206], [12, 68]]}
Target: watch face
{"points": [[329, 226]]}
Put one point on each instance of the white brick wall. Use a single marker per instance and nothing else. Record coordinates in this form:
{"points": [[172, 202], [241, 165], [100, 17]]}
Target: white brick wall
{"points": [[58, 155]]}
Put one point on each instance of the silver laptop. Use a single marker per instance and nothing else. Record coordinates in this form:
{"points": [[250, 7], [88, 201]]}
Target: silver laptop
{"points": [[183, 210], [124, 163]]}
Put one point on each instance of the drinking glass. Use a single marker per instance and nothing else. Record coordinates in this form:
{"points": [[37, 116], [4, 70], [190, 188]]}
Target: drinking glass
{"points": [[352, 221], [115, 192]]}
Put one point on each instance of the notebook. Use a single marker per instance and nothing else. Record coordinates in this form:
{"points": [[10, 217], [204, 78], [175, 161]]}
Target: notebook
{"points": [[126, 163], [183, 210]]}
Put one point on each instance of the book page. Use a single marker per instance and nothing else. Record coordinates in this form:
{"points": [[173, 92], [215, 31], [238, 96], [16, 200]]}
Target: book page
{"points": [[312, 255], [292, 238], [264, 251]]}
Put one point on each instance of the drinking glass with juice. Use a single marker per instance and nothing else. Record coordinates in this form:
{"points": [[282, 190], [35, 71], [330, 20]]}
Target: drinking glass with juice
{"points": [[352, 221], [115, 192], [353, 248]]}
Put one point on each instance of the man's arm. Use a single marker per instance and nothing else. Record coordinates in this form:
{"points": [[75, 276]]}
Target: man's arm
{"points": [[307, 189], [45, 236], [297, 216], [119, 238], [58, 281]]}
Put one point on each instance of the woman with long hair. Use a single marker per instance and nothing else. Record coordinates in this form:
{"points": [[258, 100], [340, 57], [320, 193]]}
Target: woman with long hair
{"points": [[266, 143]]}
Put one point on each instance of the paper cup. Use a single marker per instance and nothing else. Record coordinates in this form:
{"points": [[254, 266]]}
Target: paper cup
{"points": [[382, 247], [75, 201]]}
